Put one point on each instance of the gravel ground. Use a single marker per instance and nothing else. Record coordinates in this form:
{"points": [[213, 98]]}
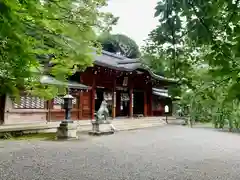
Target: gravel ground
{"points": [[171, 152]]}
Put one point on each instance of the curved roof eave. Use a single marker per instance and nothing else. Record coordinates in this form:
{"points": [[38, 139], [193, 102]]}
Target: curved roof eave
{"points": [[45, 79], [112, 66], [161, 94], [145, 67], [121, 63], [121, 68], [148, 69]]}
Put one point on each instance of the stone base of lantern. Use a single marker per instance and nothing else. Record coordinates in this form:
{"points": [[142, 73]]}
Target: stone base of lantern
{"points": [[101, 129], [67, 131]]}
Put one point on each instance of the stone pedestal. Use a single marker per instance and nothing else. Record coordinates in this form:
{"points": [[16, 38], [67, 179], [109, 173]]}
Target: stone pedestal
{"points": [[101, 129], [67, 130]]}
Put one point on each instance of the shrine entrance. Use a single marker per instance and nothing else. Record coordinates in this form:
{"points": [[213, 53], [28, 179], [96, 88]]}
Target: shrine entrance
{"points": [[124, 106], [138, 103], [123, 101], [99, 96]]}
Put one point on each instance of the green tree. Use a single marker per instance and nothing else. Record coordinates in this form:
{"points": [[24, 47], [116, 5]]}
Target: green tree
{"points": [[207, 34], [107, 21], [61, 33], [211, 27], [168, 48], [119, 43]]}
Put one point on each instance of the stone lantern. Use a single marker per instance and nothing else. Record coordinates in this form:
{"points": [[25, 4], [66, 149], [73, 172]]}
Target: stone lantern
{"points": [[67, 105], [67, 128]]}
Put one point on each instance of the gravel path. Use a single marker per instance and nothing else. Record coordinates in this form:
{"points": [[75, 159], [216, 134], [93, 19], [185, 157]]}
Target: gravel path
{"points": [[171, 152]]}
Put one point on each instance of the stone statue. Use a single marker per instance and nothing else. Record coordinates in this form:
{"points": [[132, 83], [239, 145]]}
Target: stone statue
{"points": [[101, 125], [102, 113]]}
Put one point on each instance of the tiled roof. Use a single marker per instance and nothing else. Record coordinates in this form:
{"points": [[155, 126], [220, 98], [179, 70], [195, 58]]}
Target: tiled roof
{"points": [[71, 84], [122, 63], [118, 62]]}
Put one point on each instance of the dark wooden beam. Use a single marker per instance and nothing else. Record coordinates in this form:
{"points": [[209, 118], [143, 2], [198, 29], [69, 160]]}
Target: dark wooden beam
{"points": [[93, 91]]}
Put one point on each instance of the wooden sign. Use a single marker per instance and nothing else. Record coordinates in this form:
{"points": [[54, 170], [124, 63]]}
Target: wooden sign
{"points": [[125, 81]]}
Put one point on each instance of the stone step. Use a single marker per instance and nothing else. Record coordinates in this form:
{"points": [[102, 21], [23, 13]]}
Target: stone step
{"points": [[137, 123], [85, 125], [124, 128], [126, 122], [141, 125], [145, 124], [129, 125]]}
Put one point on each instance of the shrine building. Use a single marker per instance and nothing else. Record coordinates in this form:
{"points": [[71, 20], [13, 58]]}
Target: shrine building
{"points": [[130, 89]]}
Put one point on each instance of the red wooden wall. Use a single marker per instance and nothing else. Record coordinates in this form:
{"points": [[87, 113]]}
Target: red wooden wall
{"points": [[107, 78]]}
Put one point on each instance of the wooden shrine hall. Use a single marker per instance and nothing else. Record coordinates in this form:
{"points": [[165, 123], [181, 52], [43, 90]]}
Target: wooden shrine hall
{"points": [[124, 83], [129, 88]]}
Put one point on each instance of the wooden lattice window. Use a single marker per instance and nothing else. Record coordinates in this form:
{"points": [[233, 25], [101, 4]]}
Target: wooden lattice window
{"points": [[58, 101], [29, 102]]}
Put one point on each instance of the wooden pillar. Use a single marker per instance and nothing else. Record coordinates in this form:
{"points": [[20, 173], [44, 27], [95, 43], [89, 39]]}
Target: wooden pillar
{"points": [[114, 99], [131, 102], [170, 104], [80, 109], [118, 103], [49, 105], [93, 97], [150, 103], [145, 104]]}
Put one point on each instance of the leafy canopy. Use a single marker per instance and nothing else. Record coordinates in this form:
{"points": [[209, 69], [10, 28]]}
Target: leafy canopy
{"points": [[194, 35], [55, 34], [210, 28], [119, 43]]}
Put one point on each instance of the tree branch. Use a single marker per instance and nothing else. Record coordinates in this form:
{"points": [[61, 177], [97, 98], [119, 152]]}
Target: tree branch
{"points": [[208, 30], [234, 11], [201, 20]]}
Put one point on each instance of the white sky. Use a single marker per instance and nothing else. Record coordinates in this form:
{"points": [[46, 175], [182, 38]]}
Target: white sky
{"points": [[136, 18]]}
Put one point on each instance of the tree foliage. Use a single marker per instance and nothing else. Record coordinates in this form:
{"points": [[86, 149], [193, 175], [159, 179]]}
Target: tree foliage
{"points": [[119, 43], [211, 28], [199, 44], [107, 21], [33, 33]]}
